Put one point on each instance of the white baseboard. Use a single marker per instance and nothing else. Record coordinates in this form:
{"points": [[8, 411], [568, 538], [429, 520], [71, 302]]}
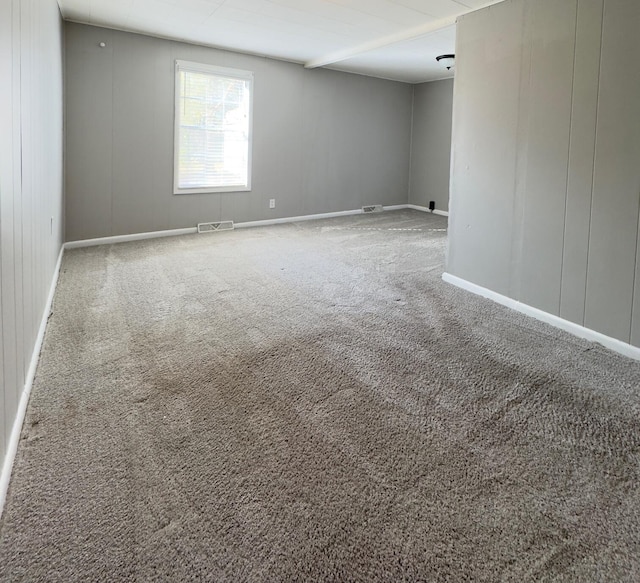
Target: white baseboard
{"points": [[424, 209], [575, 329], [14, 439], [280, 221], [396, 207], [193, 230], [266, 222], [126, 238]]}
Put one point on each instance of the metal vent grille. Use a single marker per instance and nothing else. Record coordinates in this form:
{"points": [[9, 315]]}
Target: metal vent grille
{"points": [[372, 208], [213, 227]]}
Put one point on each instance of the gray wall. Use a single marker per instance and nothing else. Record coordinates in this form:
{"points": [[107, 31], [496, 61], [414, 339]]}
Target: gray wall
{"points": [[431, 144], [545, 193], [323, 140], [31, 201]]}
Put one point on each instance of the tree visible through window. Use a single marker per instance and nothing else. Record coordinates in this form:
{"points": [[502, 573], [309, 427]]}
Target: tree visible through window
{"points": [[213, 129]]}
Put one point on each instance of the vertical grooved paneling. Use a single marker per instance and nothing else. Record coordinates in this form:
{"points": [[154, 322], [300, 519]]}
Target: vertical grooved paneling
{"points": [[7, 230], [581, 155], [550, 93], [6, 188], [23, 261], [521, 149], [635, 315], [570, 216], [4, 414], [485, 129], [31, 190], [614, 223]]}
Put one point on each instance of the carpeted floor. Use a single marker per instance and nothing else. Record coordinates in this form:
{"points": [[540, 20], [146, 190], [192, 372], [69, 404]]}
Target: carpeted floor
{"points": [[310, 402]]}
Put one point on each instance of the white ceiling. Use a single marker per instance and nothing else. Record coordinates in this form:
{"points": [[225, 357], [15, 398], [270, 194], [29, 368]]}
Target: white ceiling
{"points": [[392, 39]]}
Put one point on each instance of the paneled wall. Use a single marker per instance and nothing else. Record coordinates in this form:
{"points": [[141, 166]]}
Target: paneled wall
{"points": [[31, 185], [322, 140], [545, 193], [431, 144]]}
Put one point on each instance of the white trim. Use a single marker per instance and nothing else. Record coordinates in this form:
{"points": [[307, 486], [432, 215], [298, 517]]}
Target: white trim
{"points": [[127, 238], [266, 222], [14, 439], [214, 70], [575, 329], [424, 209], [213, 189], [194, 230]]}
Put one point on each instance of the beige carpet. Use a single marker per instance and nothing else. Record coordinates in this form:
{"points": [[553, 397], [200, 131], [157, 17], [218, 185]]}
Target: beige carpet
{"points": [[310, 402]]}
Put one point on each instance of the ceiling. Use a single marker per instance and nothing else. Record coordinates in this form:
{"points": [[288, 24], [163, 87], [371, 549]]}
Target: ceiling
{"points": [[392, 39]]}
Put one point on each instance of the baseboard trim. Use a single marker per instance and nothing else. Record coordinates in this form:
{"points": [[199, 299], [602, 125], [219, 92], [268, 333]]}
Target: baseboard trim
{"points": [[193, 230], [396, 207], [282, 220], [267, 222], [127, 238], [424, 209], [14, 439], [575, 329]]}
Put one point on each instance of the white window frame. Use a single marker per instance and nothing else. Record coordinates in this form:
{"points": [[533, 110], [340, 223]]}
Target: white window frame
{"points": [[223, 72]]}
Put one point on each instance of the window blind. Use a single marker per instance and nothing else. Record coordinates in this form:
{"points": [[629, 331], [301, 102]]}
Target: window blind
{"points": [[213, 128]]}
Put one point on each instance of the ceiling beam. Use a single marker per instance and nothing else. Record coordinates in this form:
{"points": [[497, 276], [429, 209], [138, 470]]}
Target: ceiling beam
{"points": [[378, 43], [391, 39]]}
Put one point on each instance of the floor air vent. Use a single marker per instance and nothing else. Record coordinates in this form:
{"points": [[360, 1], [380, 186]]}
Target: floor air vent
{"points": [[372, 208], [212, 227]]}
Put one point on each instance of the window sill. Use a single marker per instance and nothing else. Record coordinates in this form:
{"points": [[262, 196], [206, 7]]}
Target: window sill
{"points": [[215, 190]]}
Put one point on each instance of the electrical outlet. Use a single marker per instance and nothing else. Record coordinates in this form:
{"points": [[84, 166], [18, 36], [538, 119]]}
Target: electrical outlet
{"points": [[272, 203]]}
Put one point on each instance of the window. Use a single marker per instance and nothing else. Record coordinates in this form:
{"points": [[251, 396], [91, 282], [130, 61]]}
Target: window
{"points": [[212, 144]]}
